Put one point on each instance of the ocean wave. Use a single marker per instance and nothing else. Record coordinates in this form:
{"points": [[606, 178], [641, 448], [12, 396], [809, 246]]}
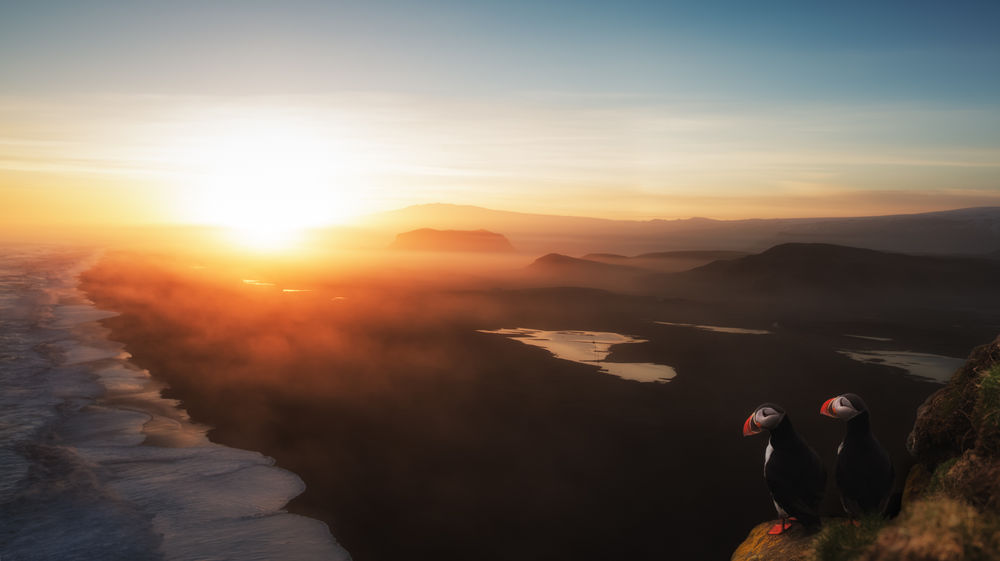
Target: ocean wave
{"points": [[96, 464]]}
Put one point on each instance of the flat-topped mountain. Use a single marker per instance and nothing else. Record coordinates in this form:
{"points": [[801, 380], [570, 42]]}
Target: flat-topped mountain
{"points": [[428, 239]]}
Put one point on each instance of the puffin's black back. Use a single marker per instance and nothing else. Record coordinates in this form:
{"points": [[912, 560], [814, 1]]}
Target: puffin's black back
{"points": [[795, 475], [864, 470]]}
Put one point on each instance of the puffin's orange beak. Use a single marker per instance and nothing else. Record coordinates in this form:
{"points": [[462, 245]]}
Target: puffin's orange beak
{"points": [[827, 408], [750, 427]]}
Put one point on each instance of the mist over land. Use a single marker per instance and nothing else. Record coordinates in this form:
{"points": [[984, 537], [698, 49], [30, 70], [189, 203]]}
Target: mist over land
{"points": [[419, 433]]}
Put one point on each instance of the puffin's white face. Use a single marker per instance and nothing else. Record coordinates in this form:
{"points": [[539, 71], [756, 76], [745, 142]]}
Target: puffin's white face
{"points": [[839, 407], [767, 417]]}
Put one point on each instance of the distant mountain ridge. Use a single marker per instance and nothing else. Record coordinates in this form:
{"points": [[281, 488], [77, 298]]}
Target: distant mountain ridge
{"points": [[971, 231], [826, 264], [853, 276], [795, 275]]}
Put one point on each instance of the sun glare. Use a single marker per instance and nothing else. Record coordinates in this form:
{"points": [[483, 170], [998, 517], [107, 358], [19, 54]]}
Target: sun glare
{"points": [[268, 181]]}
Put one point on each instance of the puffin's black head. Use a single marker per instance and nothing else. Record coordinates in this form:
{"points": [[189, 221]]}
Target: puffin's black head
{"points": [[765, 417], [846, 406]]}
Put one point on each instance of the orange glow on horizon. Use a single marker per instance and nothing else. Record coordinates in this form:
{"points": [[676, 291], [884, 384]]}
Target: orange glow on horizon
{"points": [[268, 169]]}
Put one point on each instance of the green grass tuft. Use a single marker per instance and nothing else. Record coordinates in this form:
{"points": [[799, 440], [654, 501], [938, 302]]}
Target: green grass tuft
{"points": [[841, 541], [989, 398], [940, 475], [950, 402]]}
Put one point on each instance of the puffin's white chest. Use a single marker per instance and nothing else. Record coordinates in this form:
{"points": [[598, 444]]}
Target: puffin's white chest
{"points": [[839, 448], [767, 458]]}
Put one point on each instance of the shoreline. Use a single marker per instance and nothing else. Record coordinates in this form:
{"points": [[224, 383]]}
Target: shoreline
{"points": [[92, 453], [251, 492]]}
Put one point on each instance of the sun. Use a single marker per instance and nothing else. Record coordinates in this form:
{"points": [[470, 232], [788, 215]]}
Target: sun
{"points": [[268, 180]]}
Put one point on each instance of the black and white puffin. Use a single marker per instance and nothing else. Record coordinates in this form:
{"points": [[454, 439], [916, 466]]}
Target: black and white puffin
{"points": [[794, 472], [864, 471]]}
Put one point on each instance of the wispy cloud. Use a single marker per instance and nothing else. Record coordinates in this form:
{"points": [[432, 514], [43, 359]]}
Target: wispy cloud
{"points": [[622, 155]]}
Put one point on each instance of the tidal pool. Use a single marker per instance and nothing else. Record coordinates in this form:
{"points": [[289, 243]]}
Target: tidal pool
{"points": [[868, 337], [718, 329], [590, 347], [923, 365]]}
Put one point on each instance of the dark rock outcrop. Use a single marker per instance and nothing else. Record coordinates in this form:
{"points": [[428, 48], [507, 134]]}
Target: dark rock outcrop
{"points": [[956, 436], [951, 421]]}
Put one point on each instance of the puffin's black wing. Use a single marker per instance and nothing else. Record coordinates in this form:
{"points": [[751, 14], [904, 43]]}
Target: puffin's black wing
{"points": [[797, 479], [864, 476]]}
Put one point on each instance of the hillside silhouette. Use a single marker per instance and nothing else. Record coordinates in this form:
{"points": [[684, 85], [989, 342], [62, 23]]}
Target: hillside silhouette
{"points": [[665, 261], [556, 269], [826, 267]]}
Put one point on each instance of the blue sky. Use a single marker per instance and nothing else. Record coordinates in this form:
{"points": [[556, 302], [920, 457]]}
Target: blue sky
{"points": [[764, 51]]}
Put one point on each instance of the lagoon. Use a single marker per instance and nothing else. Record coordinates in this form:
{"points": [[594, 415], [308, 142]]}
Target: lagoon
{"points": [[591, 347]]}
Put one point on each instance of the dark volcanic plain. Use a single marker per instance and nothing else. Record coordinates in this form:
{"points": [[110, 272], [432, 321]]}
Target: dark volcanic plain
{"points": [[420, 437]]}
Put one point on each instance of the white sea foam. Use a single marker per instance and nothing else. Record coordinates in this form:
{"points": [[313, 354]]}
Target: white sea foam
{"points": [[96, 464], [591, 347]]}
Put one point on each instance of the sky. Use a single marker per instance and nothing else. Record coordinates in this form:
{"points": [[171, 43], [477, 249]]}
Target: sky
{"points": [[304, 112]]}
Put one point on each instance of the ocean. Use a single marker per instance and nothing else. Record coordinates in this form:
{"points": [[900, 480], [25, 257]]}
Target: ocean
{"points": [[96, 465]]}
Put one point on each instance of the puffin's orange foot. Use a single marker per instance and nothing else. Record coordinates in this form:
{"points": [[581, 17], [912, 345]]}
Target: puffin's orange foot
{"points": [[779, 528]]}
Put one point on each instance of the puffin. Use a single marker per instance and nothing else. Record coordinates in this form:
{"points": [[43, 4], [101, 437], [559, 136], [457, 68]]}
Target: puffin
{"points": [[864, 471], [793, 471]]}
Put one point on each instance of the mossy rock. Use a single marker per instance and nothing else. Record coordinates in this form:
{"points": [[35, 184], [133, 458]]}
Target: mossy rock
{"points": [[956, 437], [842, 540], [963, 415], [918, 482], [974, 478], [938, 528], [986, 413], [795, 544]]}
